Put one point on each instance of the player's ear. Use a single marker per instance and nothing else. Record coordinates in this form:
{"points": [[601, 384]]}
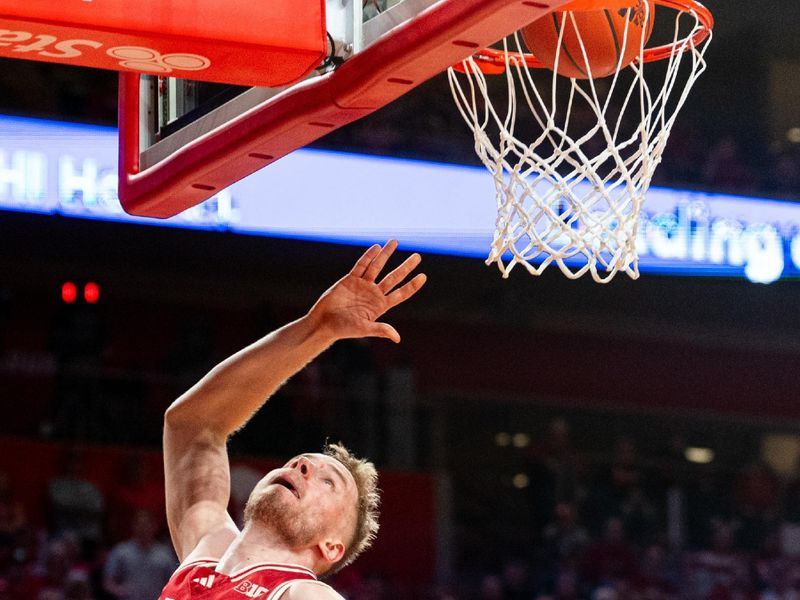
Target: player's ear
{"points": [[332, 550]]}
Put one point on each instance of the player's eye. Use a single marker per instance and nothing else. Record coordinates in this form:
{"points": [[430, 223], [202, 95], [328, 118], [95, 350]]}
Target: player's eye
{"points": [[329, 482]]}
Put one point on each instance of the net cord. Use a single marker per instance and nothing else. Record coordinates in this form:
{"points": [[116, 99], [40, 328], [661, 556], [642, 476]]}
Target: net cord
{"points": [[555, 203]]}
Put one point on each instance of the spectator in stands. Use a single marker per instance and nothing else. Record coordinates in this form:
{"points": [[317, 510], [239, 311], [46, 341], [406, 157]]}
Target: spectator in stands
{"points": [[605, 592], [553, 466], [373, 587], [784, 176], [719, 571], [17, 583], [567, 584], [707, 503], [347, 581], [684, 157], [79, 566], [491, 588], [611, 559], [790, 511], [638, 514], [516, 580], [77, 588], [75, 503], [613, 487], [653, 579], [771, 568], [756, 492], [443, 593], [13, 534], [726, 169], [52, 573], [12, 513], [564, 537], [138, 568], [139, 487]]}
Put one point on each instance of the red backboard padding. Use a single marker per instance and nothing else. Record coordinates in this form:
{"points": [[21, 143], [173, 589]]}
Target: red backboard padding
{"points": [[403, 58], [270, 43]]}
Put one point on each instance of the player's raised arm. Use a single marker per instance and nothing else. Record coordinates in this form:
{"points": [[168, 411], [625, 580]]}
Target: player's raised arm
{"points": [[198, 424]]}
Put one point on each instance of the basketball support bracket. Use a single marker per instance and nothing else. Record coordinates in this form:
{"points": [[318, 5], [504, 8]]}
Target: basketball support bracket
{"points": [[402, 48]]}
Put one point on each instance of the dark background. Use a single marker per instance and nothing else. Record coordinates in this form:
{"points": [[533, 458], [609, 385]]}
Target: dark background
{"points": [[662, 362]]}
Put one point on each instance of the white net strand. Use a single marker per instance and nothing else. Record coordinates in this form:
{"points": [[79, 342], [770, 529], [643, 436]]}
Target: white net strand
{"points": [[573, 197]]}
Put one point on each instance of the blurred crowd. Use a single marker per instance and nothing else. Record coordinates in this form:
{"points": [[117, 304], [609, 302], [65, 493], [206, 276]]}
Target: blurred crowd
{"points": [[650, 528], [91, 545], [728, 165], [624, 525], [635, 528]]}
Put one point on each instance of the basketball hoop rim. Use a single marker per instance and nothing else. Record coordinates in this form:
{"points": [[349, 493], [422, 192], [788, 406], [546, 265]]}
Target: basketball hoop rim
{"points": [[493, 62]]}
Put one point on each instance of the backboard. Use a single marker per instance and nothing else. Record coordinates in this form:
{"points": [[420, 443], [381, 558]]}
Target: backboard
{"points": [[181, 142], [201, 39]]}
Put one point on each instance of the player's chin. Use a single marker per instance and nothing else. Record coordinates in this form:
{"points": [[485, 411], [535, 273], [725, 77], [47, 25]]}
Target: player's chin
{"points": [[264, 505]]}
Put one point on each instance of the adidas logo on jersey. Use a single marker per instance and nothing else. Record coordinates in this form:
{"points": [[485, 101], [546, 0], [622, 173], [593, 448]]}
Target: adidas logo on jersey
{"points": [[206, 582], [251, 590]]}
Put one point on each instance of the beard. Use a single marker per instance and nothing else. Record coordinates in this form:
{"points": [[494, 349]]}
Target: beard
{"points": [[273, 510]]}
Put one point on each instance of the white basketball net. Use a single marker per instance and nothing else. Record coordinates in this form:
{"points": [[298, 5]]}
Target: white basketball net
{"points": [[572, 196]]}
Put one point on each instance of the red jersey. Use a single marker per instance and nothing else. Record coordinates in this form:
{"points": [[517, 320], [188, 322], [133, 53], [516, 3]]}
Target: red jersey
{"points": [[199, 580]]}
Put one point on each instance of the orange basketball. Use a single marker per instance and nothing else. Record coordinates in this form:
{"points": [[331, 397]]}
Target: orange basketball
{"points": [[602, 33]]}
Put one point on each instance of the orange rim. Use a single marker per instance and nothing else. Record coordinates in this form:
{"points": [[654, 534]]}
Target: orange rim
{"points": [[493, 62]]}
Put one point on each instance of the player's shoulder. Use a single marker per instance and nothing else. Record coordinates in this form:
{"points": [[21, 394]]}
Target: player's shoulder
{"points": [[195, 566], [212, 546], [310, 590]]}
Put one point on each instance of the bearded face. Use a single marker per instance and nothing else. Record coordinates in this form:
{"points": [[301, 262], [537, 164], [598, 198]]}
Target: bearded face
{"points": [[271, 507], [312, 497]]}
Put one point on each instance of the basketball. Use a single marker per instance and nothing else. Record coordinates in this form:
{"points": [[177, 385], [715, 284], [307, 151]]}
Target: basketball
{"points": [[602, 33]]}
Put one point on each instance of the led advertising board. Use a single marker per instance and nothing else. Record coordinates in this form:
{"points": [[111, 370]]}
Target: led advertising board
{"points": [[71, 170]]}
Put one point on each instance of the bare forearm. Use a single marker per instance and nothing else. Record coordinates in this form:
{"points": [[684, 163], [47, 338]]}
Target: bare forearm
{"points": [[198, 424], [226, 398]]}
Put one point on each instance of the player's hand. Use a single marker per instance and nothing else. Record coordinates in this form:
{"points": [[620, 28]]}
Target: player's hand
{"points": [[352, 306]]}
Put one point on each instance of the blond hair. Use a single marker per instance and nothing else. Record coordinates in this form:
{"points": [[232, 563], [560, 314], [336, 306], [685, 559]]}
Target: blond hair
{"points": [[366, 478]]}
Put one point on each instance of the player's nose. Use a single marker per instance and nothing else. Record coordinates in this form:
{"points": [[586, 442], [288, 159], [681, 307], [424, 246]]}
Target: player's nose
{"points": [[305, 466]]}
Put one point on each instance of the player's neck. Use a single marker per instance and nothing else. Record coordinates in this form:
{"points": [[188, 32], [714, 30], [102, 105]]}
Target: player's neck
{"points": [[255, 545]]}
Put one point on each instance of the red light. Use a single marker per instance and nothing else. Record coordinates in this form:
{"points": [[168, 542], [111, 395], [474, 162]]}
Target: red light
{"points": [[69, 292], [91, 292]]}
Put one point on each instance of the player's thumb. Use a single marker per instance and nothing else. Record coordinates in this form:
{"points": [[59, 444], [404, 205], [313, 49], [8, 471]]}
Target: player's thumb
{"points": [[384, 330]]}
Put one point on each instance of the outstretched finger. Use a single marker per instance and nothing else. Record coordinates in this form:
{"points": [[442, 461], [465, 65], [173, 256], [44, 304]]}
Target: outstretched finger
{"points": [[361, 265], [388, 283], [405, 292], [377, 264]]}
